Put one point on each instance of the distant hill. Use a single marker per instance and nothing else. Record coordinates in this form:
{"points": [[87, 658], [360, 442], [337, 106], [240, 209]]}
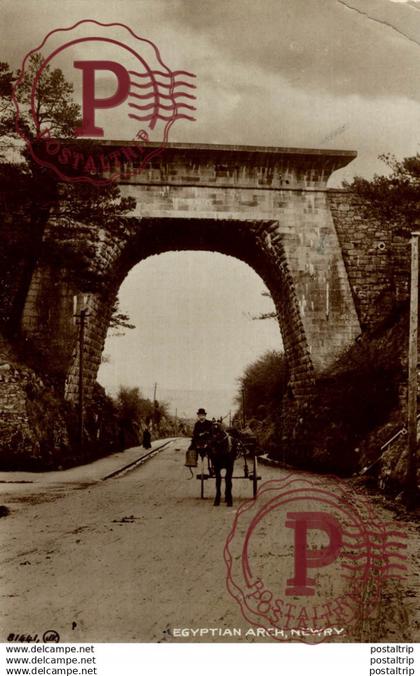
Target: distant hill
{"points": [[216, 402]]}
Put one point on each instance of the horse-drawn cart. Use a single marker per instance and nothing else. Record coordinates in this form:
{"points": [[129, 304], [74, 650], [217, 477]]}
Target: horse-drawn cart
{"points": [[245, 449]]}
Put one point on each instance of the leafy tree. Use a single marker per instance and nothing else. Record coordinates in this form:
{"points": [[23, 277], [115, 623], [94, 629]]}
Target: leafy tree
{"points": [[160, 412], [82, 202], [263, 383], [134, 410], [132, 406], [6, 80], [29, 188], [54, 107], [96, 206], [119, 320], [263, 386], [6, 105], [266, 315]]}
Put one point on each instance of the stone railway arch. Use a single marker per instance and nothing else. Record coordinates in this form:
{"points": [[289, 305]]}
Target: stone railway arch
{"points": [[265, 206]]}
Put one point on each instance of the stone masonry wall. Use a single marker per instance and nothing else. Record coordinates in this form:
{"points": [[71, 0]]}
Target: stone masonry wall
{"points": [[15, 262], [308, 237], [33, 432], [15, 431], [376, 259], [298, 254], [332, 273]]}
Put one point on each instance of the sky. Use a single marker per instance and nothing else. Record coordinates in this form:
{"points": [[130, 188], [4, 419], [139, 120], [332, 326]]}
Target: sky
{"points": [[340, 74], [192, 333]]}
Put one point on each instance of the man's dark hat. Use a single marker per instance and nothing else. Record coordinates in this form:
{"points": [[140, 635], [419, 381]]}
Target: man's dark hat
{"points": [[201, 411]]}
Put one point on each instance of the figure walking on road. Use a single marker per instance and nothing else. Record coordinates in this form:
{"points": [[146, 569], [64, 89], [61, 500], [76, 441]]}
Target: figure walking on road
{"points": [[147, 438]]}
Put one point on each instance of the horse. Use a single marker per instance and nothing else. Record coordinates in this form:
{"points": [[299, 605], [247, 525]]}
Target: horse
{"points": [[221, 451]]}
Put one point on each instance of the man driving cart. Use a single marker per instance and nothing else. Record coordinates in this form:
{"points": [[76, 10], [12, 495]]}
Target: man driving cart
{"points": [[201, 434]]}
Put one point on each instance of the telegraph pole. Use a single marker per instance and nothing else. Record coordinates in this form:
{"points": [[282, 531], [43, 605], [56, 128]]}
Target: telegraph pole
{"points": [[411, 476], [83, 313], [81, 300], [155, 425], [243, 407]]}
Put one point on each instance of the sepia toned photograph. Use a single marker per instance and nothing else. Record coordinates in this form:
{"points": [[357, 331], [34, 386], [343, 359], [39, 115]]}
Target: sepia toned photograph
{"points": [[209, 311]]}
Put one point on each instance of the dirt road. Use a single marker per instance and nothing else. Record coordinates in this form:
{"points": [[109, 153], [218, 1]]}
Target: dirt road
{"points": [[136, 557]]}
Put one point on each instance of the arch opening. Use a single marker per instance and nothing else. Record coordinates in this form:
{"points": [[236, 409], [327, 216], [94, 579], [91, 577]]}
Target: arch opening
{"points": [[194, 334], [255, 243]]}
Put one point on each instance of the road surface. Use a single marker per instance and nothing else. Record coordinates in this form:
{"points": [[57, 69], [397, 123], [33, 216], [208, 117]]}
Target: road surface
{"points": [[132, 558]]}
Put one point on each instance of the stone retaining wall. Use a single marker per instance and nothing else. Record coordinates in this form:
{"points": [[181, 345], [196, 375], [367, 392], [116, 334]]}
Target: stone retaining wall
{"points": [[33, 431]]}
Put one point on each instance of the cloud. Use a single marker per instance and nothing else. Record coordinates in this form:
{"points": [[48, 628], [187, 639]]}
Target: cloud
{"points": [[364, 47], [317, 45], [277, 72]]}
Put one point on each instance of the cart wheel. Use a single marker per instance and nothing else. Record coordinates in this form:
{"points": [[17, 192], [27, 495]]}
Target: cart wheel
{"points": [[254, 479], [202, 478]]}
